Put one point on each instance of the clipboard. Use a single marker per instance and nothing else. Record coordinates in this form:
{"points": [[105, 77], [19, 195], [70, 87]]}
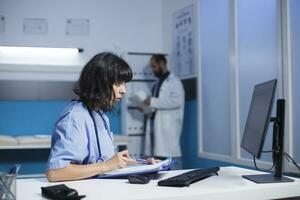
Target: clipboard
{"points": [[139, 169]]}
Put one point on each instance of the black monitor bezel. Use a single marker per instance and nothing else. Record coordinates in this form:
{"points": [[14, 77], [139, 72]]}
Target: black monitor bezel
{"points": [[258, 154]]}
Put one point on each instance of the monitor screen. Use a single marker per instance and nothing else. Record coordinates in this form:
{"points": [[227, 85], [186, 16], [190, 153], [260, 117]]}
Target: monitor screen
{"points": [[258, 117]]}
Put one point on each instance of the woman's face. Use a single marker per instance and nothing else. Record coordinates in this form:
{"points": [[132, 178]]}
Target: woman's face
{"points": [[119, 90]]}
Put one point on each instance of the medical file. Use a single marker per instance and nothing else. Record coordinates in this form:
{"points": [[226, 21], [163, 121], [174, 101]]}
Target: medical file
{"points": [[140, 169]]}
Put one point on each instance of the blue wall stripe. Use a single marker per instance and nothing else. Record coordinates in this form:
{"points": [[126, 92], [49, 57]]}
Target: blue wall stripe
{"points": [[38, 117]]}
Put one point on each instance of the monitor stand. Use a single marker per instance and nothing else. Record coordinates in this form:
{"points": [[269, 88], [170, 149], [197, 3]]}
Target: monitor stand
{"points": [[267, 178]]}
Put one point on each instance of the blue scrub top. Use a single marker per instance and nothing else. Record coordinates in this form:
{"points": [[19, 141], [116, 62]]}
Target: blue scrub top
{"points": [[74, 138]]}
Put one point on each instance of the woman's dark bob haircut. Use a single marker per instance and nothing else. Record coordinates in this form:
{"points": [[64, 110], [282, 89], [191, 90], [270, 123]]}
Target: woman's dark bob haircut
{"points": [[95, 85]]}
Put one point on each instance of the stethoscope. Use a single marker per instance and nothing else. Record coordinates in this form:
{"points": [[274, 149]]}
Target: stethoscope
{"points": [[97, 134]]}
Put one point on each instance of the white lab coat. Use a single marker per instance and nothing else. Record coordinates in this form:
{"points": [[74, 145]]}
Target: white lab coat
{"points": [[168, 120]]}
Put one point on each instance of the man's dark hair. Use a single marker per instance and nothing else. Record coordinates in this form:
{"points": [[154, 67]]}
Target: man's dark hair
{"points": [[159, 58], [95, 85]]}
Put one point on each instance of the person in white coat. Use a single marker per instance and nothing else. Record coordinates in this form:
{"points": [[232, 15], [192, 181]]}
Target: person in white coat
{"points": [[164, 123]]}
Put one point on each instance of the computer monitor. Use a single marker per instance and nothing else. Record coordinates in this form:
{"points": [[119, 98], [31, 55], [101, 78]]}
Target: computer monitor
{"points": [[256, 129]]}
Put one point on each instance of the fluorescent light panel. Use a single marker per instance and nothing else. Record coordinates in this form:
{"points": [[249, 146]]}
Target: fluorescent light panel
{"points": [[38, 50]]}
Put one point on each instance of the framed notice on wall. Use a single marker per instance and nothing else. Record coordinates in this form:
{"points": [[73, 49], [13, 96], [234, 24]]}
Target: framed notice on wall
{"points": [[183, 42], [35, 26], [78, 27]]}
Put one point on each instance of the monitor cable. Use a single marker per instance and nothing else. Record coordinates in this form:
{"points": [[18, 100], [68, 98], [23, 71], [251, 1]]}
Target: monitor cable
{"points": [[291, 160], [286, 156], [256, 167]]}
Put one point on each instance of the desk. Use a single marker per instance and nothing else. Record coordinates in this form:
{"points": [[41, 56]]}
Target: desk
{"points": [[228, 185]]}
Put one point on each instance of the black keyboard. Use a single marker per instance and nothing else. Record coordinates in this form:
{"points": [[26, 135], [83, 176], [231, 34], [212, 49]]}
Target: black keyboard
{"points": [[187, 178]]}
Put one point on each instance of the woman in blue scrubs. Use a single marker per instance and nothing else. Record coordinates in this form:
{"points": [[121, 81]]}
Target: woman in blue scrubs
{"points": [[82, 144]]}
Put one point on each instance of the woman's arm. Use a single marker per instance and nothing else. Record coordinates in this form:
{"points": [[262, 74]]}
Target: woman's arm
{"points": [[75, 171]]}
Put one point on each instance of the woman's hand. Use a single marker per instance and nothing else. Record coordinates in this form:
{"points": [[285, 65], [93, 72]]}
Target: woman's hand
{"points": [[119, 160]]}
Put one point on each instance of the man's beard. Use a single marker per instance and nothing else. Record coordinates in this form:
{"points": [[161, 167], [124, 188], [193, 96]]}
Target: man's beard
{"points": [[158, 74]]}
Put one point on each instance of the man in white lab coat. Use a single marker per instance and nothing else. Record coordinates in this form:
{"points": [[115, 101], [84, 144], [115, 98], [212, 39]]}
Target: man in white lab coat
{"points": [[164, 123]]}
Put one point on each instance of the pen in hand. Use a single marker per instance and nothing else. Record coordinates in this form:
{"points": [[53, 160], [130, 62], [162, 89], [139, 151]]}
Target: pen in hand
{"points": [[132, 161], [149, 161], [142, 161]]}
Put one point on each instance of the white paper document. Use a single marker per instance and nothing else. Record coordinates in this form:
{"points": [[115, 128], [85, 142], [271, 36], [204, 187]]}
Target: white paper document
{"points": [[141, 168], [138, 97]]}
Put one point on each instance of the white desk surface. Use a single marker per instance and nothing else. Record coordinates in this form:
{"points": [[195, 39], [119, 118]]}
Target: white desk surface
{"points": [[228, 185]]}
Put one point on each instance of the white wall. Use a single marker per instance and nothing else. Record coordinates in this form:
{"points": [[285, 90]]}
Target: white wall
{"points": [[115, 25]]}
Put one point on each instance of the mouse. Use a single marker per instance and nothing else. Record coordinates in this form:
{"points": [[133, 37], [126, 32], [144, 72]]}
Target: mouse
{"points": [[138, 179]]}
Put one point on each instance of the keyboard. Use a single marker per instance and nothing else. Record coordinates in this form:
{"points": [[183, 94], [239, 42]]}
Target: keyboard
{"points": [[190, 177]]}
